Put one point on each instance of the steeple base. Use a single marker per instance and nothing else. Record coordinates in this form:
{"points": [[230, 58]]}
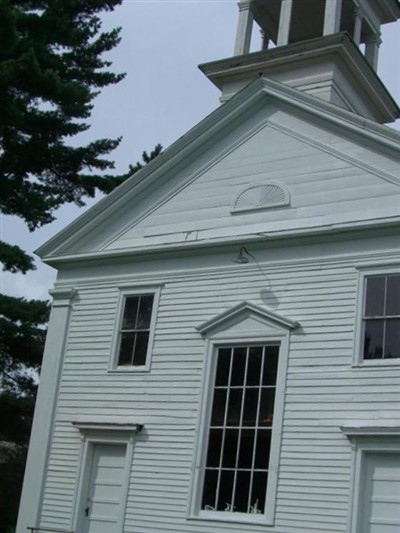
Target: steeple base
{"points": [[331, 68]]}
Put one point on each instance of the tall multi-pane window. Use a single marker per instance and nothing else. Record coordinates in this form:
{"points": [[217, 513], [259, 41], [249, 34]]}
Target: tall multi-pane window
{"points": [[239, 435], [134, 330], [381, 317]]}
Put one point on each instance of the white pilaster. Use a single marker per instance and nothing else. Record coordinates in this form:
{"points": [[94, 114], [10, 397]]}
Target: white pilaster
{"points": [[284, 22], [372, 50], [333, 9], [31, 497], [244, 30]]}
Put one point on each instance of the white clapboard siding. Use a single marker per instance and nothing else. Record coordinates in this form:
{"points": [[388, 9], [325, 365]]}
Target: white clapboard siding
{"points": [[323, 391]]}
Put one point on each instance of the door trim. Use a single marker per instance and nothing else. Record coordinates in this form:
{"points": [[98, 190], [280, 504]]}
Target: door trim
{"points": [[90, 437], [366, 441]]}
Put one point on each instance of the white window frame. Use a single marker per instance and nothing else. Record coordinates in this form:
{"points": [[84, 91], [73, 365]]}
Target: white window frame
{"points": [[366, 439], [212, 345], [93, 433], [365, 272], [125, 292]]}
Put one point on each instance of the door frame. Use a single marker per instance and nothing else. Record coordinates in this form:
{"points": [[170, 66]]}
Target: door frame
{"points": [[92, 435], [364, 441]]}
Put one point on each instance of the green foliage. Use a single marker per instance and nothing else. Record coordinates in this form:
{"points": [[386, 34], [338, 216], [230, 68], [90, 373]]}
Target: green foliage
{"points": [[146, 158], [12, 466], [21, 342], [14, 259], [51, 68]]}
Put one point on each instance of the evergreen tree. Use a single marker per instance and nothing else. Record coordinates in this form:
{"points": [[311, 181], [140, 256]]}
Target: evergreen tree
{"points": [[51, 69]]}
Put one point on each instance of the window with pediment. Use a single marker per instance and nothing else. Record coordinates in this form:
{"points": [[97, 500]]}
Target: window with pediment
{"points": [[238, 452]]}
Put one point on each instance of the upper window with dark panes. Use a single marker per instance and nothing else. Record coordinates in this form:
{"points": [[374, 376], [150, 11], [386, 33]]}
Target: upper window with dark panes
{"points": [[134, 331], [382, 317], [240, 428]]}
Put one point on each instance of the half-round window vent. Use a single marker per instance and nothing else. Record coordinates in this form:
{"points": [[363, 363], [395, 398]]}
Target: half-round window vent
{"points": [[262, 196]]}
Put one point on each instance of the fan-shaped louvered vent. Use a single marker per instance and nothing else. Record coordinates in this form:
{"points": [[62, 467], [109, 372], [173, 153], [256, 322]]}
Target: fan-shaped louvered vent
{"points": [[261, 196]]}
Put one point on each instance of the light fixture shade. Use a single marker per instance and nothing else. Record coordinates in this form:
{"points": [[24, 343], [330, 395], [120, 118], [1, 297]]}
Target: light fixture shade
{"points": [[242, 257]]}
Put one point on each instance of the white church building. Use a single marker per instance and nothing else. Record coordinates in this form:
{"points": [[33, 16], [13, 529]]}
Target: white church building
{"points": [[223, 352]]}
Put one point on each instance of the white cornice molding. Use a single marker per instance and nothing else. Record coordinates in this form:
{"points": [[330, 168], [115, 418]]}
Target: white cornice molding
{"points": [[370, 429], [365, 261], [107, 424], [62, 297], [250, 237]]}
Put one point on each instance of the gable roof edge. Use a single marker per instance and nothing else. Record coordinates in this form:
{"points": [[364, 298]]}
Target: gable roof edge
{"points": [[212, 123], [384, 135]]}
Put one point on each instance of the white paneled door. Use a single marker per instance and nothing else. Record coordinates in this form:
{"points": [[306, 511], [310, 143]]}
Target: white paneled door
{"points": [[104, 501], [380, 511]]}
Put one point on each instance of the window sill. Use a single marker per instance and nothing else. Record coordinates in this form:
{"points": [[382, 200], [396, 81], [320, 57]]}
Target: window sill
{"points": [[235, 518], [129, 370], [377, 363]]}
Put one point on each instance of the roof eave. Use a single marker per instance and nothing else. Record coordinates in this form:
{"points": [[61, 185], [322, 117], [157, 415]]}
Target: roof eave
{"points": [[282, 237]]}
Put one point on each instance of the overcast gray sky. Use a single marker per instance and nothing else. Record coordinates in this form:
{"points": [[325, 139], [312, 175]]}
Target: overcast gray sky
{"points": [[162, 96]]}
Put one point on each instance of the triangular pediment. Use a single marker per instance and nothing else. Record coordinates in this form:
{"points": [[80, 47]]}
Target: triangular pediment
{"points": [[207, 187], [246, 319]]}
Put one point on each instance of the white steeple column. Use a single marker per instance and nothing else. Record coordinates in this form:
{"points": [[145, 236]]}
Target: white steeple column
{"points": [[357, 26], [244, 30], [46, 400], [333, 9], [264, 40], [372, 50], [284, 22]]}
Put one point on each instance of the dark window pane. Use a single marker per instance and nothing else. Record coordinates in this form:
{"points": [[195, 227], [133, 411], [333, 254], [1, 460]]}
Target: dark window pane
{"points": [[392, 338], [373, 339], [250, 407], [259, 490], [209, 490], [214, 447], [242, 492], [393, 295], [224, 360], [270, 365], [130, 312], [375, 296], [254, 366], [246, 448], [266, 407], [126, 349], [238, 366], [234, 407], [230, 448], [263, 448], [218, 410], [139, 356], [145, 308], [240, 430], [225, 490]]}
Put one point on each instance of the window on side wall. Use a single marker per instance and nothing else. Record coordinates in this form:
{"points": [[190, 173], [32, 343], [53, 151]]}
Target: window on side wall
{"points": [[134, 336], [381, 317], [240, 430]]}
